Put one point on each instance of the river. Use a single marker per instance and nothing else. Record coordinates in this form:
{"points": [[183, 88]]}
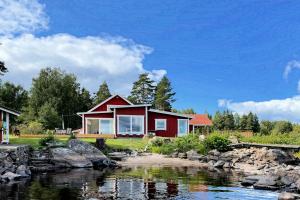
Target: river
{"points": [[133, 183]]}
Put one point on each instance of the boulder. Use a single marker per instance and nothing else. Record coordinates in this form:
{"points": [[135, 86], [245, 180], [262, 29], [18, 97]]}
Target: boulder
{"points": [[192, 155], [250, 180], [214, 153], [11, 176], [174, 155], [219, 164], [23, 171], [182, 155], [267, 183], [287, 196], [65, 157]]}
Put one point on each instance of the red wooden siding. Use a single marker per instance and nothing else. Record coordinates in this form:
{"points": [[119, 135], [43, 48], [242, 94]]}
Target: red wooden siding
{"points": [[130, 111], [96, 115], [117, 100], [172, 124]]}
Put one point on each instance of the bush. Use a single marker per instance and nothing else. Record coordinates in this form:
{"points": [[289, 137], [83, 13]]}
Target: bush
{"points": [[33, 127], [217, 141], [282, 127], [48, 139]]}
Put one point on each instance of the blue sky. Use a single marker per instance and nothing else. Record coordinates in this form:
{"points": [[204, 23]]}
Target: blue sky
{"points": [[218, 54]]}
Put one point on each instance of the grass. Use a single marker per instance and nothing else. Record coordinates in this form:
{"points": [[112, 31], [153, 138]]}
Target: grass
{"points": [[119, 144]]}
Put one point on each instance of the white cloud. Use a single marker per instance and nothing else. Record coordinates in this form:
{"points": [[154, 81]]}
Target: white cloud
{"points": [[92, 59], [279, 109], [21, 16], [294, 64]]}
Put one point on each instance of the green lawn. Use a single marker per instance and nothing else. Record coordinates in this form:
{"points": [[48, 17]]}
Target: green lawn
{"points": [[120, 143]]}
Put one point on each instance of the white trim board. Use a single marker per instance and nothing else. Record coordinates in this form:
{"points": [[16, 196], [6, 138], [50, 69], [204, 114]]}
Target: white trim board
{"points": [[103, 102], [170, 113]]}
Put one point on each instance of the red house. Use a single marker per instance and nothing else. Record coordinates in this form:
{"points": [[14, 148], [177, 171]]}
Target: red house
{"points": [[118, 117]]}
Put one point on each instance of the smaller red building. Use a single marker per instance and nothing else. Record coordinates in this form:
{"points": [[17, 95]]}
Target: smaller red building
{"points": [[5, 116], [119, 117]]}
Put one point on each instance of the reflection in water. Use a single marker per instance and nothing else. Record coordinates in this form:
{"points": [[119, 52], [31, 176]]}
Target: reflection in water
{"points": [[132, 183]]}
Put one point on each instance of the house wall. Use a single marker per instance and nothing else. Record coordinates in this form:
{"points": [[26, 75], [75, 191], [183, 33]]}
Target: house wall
{"points": [[130, 111], [172, 124], [96, 115], [114, 101]]}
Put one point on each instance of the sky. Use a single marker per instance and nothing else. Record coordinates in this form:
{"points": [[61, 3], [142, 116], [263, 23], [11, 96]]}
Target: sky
{"points": [[237, 55]]}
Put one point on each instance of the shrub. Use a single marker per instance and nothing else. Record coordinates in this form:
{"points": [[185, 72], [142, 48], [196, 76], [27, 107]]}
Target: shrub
{"points": [[217, 141], [48, 139], [33, 127], [282, 127]]}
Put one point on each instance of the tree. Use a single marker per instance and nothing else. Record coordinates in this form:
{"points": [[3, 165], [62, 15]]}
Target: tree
{"points": [[266, 127], [237, 121], [3, 68], [13, 96], [59, 90], [228, 120], [164, 95], [103, 93], [85, 100], [243, 123], [218, 121], [185, 111], [48, 116], [283, 127], [143, 90]]}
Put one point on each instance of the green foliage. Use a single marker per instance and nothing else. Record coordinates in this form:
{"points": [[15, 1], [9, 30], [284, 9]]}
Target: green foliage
{"points": [[282, 127], [13, 96], [217, 141], [185, 111], [266, 127], [72, 136], [49, 116], [103, 93], [62, 92], [3, 68], [143, 90], [33, 127], [48, 139], [164, 95]]}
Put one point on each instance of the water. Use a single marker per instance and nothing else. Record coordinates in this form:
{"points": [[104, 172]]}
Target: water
{"points": [[133, 183]]}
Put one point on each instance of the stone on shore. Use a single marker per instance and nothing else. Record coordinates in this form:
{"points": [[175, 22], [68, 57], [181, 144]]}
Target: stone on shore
{"points": [[11, 176], [65, 157], [287, 196]]}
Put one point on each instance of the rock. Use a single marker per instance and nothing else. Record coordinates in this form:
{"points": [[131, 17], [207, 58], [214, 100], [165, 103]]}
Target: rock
{"points": [[233, 139], [286, 180], [11, 176], [219, 164], [65, 157], [174, 155], [118, 155], [23, 171], [182, 155], [192, 155], [287, 196], [267, 183], [250, 180], [214, 153], [211, 163], [227, 165]]}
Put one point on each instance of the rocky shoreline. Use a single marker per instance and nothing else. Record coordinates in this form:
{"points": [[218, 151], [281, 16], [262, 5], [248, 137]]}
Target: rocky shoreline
{"points": [[19, 162]]}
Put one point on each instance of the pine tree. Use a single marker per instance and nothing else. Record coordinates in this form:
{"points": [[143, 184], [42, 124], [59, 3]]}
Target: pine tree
{"points": [[143, 90], [103, 93], [228, 120], [218, 121], [164, 95], [243, 122], [256, 125]]}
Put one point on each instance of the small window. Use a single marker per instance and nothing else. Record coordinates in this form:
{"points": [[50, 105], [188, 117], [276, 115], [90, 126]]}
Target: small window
{"points": [[160, 124]]}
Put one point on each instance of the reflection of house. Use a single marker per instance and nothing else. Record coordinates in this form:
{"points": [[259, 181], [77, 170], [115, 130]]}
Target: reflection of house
{"points": [[5, 115], [119, 117]]}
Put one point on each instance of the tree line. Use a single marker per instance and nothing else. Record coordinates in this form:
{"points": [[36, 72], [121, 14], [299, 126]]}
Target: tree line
{"points": [[57, 96]]}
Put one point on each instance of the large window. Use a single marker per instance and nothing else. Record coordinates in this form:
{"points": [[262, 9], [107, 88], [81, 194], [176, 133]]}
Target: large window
{"points": [[160, 124], [92, 126], [102, 126], [182, 126], [130, 124]]}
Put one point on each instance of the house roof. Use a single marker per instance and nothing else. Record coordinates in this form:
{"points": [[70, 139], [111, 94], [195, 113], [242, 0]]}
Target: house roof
{"points": [[170, 113], [200, 120], [9, 110], [103, 102]]}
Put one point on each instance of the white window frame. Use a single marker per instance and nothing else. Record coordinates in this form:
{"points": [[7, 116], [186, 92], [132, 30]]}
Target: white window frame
{"points": [[178, 128], [131, 132], [99, 124], [160, 120]]}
